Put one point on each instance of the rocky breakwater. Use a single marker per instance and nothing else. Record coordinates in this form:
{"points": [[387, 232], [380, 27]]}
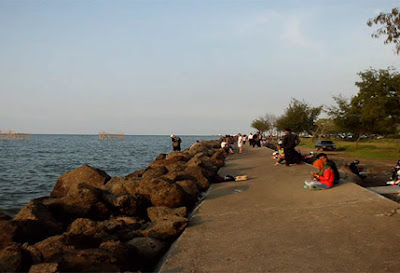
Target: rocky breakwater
{"points": [[96, 223]]}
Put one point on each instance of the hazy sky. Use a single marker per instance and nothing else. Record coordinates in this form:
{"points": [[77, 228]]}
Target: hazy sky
{"points": [[183, 67]]}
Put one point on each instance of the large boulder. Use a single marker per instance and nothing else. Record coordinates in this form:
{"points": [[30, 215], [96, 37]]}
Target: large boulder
{"points": [[14, 259], [154, 172], [4, 216], [50, 249], [164, 192], [89, 260], [201, 176], [122, 228], [35, 210], [191, 190], [123, 253], [178, 156], [165, 229], [147, 250], [127, 204], [84, 174], [161, 213], [84, 202], [178, 176], [218, 158], [22, 231], [122, 185]]}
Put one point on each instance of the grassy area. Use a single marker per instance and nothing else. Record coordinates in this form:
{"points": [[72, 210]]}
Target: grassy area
{"points": [[370, 148]]}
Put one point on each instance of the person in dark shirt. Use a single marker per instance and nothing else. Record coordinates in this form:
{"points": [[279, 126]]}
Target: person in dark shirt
{"points": [[289, 142], [333, 167], [176, 143]]}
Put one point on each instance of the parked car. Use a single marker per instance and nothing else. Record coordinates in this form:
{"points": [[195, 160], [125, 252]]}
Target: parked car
{"points": [[325, 145]]}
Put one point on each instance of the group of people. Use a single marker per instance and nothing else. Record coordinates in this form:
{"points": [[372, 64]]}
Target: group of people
{"points": [[326, 175]]}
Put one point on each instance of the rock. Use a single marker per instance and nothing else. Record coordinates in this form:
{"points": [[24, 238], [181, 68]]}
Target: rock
{"points": [[346, 175], [126, 204], [178, 176], [51, 248], [164, 192], [165, 229], [123, 253], [136, 174], [154, 172], [176, 166], [13, 259], [4, 216], [87, 227], [178, 156], [157, 213], [22, 231], [203, 162], [218, 159], [124, 228], [148, 250], [37, 211], [161, 156], [122, 185], [44, 268], [84, 202], [84, 174], [89, 260], [191, 190], [200, 175]]}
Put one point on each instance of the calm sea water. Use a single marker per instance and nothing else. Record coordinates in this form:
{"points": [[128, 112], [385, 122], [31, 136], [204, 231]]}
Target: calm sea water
{"points": [[30, 168]]}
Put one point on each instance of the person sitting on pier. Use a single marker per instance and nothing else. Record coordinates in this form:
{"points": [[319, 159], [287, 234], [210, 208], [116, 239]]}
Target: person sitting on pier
{"points": [[280, 155], [323, 179], [333, 167], [225, 144]]}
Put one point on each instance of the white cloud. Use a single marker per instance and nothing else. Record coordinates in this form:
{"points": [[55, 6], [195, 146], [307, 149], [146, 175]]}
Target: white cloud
{"points": [[294, 36]]}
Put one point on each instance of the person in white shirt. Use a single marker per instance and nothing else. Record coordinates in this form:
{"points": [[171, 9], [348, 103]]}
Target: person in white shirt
{"points": [[240, 143]]}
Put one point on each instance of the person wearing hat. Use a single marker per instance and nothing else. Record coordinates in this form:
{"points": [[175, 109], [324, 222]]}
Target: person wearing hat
{"points": [[176, 143]]}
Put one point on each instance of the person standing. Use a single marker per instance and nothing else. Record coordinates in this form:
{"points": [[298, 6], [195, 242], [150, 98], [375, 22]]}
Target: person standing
{"points": [[176, 143], [240, 143], [289, 142], [250, 139]]}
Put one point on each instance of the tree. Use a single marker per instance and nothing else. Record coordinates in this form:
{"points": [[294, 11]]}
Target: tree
{"points": [[299, 117], [390, 28], [375, 108], [263, 124]]}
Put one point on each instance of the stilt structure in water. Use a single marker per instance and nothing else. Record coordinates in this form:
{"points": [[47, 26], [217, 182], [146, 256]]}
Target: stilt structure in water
{"points": [[107, 136], [11, 135]]}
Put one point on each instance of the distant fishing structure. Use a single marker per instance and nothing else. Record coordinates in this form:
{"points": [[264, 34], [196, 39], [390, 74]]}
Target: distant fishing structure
{"points": [[108, 136], [11, 135]]}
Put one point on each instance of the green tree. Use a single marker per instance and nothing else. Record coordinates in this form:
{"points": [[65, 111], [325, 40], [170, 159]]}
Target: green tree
{"points": [[299, 117], [375, 108], [263, 124], [390, 27]]}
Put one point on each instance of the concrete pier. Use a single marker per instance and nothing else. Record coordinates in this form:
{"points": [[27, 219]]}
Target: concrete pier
{"points": [[271, 223]]}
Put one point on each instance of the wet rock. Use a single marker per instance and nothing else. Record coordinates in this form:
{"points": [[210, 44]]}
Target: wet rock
{"points": [[148, 250], [137, 174], [84, 174], [164, 192], [157, 213], [44, 268], [165, 229], [85, 202], [89, 260], [13, 259], [154, 172]]}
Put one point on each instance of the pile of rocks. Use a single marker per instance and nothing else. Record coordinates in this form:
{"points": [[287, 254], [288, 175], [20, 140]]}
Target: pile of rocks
{"points": [[92, 222]]}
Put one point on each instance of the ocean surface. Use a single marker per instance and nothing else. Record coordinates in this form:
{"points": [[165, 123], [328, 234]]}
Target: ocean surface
{"points": [[30, 168]]}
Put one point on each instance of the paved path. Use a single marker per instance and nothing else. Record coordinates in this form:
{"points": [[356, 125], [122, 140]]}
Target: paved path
{"points": [[271, 223]]}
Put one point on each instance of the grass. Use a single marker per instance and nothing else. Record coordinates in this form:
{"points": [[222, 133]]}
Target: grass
{"points": [[370, 148]]}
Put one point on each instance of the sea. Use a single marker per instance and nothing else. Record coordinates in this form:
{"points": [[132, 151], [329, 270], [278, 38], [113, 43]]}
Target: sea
{"points": [[30, 168]]}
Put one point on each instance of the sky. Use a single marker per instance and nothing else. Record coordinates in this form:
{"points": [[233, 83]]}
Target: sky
{"points": [[178, 67]]}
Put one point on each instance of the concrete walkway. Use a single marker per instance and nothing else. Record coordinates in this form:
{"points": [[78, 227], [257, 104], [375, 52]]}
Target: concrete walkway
{"points": [[271, 223]]}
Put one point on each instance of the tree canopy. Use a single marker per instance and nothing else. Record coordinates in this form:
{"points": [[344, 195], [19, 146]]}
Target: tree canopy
{"points": [[390, 27], [263, 124], [299, 117], [375, 108]]}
